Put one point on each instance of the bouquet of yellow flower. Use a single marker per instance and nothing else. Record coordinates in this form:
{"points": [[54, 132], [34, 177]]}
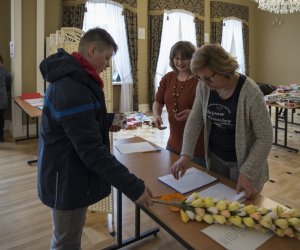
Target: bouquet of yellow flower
{"points": [[284, 223]]}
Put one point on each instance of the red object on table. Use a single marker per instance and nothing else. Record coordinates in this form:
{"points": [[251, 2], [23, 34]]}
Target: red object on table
{"points": [[33, 95]]}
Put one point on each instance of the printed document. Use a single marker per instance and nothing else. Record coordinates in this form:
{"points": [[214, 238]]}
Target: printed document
{"points": [[128, 148], [236, 238], [192, 179], [222, 192]]}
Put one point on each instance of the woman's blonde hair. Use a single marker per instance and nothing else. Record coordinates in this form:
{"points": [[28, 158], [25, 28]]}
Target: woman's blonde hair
{"points": [[215, 58]]}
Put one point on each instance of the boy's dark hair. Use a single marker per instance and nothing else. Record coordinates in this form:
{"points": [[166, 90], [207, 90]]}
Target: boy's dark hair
{"points": [[100, 37], [1, 59]]}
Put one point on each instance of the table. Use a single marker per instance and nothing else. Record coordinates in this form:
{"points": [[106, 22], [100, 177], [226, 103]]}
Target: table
{"points": [[286, 110], [30, 111], [149, 166]]}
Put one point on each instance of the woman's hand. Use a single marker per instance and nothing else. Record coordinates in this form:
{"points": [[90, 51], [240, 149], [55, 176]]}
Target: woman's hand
{"points": [[245, 184], [180, 166], [158, 122], [183, 115], [146, 198]]}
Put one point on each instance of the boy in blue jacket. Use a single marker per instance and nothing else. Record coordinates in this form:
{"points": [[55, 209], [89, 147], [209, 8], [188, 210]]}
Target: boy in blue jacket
{"points": [[75, 166]]}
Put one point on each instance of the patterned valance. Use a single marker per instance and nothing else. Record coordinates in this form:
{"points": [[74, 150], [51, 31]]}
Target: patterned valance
{"points": [[131, 3], [127, 4], [221, 10], [73, 2], [194, 6]]}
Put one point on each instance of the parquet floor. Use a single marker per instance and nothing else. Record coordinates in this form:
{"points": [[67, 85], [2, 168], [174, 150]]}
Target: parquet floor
{"points": [[26, 224]]}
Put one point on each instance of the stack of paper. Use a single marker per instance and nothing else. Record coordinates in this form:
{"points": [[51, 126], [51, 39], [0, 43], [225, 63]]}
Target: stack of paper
{"points": [[128, 148], [192, 180]]}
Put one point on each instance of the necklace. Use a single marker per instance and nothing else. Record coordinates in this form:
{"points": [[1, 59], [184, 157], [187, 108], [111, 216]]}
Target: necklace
{"points": [[177, 92]]}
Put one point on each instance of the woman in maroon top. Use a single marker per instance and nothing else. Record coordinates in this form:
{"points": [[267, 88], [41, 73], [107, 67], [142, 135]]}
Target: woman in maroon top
{"points": [[177, 91]]}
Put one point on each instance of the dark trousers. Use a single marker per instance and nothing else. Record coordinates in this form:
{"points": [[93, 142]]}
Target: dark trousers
{"points": [[1, 122]]}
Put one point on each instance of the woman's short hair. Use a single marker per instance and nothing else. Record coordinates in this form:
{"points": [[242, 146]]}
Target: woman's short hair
{"points": [[98, 36], [184, 49], [215, 58]]}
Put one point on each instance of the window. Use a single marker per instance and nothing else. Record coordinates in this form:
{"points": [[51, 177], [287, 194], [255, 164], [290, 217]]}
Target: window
{"points": [[177, 26], [232, 41], [108, 15]]}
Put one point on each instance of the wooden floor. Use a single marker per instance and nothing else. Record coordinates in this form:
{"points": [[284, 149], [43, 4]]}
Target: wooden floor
{"points": [[26, 224]]}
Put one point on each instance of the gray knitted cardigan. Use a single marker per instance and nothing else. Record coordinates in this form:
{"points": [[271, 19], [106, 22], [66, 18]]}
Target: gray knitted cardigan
{"points": [[253, 134]]}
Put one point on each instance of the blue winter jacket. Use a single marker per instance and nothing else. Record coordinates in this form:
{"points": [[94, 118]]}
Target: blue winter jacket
{"points": [[75, 166]]}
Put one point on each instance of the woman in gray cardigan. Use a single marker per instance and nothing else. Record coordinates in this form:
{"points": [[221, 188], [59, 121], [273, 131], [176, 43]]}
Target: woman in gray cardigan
{"points": [[238, 132]]}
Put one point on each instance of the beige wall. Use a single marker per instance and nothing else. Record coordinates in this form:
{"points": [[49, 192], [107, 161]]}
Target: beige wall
{"points": [[142, 9], [29, 46], [278, 49], [5, 31], [53, 16]]}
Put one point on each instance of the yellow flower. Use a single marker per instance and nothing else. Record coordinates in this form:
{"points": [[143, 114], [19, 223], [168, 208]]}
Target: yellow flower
{"points": [[263, 210], [219, 219], [234, 206], [208, 218], [249, 222], [221, 205], [184, 217], [198, 218], [208, 201], [197, 203], [192, 197], [290, 213], [279, 232], [280, 210], [236, 220], [282, 223], [250, 209], [295, 222], [266, 221], [200, 211]]}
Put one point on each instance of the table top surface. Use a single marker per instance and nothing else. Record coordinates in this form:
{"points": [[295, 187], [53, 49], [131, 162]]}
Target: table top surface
{"points": [[283, 105], [32, 111], [149, 166]]}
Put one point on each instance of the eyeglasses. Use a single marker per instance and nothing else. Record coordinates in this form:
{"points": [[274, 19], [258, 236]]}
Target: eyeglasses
{"points": [[206, 79]]}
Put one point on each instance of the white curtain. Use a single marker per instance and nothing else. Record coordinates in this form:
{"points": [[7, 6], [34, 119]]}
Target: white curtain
{"points": [[108, 15], [177, 26], [232, 41]]}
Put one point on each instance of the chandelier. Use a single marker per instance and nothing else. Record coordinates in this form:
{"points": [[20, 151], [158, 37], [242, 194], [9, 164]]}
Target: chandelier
{"points": [[279, 6]]}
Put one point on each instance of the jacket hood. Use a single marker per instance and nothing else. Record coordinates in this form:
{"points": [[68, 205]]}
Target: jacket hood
{"points": [[59, 65]]}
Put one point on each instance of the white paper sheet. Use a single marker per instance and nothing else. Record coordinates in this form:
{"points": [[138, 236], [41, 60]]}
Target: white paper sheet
{"points": [[221, 192], [128, 148], [192, 179], [36, 102], [236, 238]]}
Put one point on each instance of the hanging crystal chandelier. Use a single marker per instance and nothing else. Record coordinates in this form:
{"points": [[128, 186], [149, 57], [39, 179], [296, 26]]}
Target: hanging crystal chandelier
{"points": [[279, 6]]}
